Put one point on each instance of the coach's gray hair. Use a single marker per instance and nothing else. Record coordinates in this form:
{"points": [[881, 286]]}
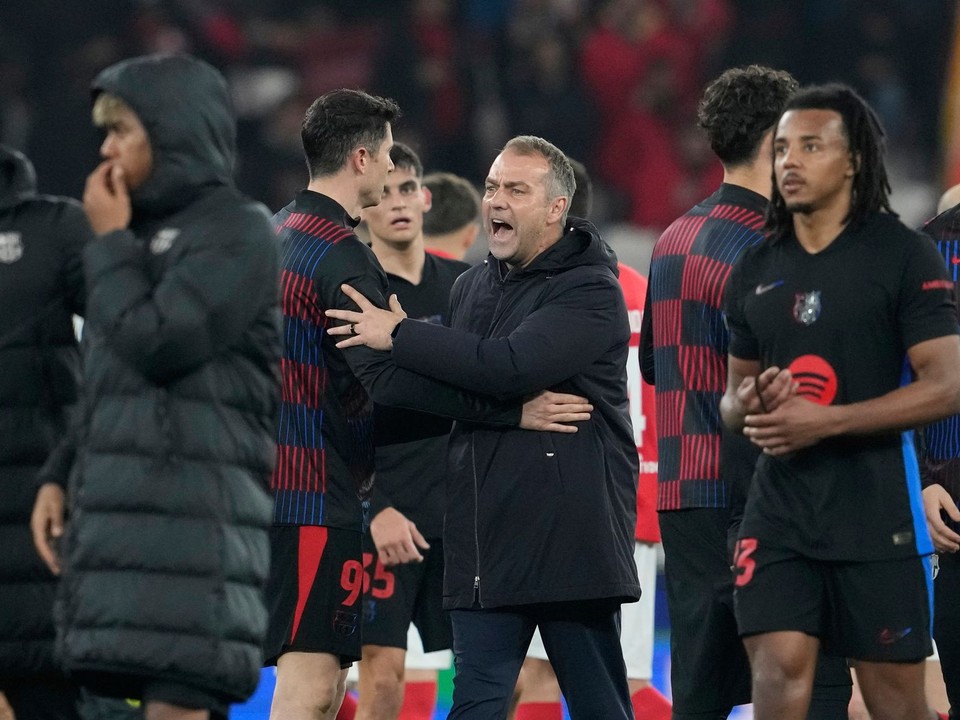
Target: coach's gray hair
{"points": [[560, 179]]}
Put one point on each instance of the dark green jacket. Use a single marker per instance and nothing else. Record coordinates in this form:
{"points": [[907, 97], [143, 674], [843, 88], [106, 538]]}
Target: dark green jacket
{"points": [[167, 549]]}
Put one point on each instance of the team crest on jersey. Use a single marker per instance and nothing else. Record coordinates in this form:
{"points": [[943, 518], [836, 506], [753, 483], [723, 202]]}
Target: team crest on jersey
{"points": [[11, 247], [806, 308], [163, 240]]}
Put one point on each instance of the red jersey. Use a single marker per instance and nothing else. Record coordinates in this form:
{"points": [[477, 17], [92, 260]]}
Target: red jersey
{"points": [[642, 402]]}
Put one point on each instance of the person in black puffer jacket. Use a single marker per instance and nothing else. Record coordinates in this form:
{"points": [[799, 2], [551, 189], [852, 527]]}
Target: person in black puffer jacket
{"points": [[166, 551], [41, 287]]}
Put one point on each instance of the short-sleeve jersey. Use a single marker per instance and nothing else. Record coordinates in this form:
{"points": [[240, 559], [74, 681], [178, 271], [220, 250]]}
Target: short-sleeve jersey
{"points": [[842, 321]]}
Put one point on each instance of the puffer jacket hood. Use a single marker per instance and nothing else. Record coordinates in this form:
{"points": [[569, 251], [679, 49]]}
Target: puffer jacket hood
{"points": [[18, 180], [185, 108]]}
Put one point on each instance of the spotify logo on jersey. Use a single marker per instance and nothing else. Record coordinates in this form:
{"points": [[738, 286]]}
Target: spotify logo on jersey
{"points": [[817, 380]]}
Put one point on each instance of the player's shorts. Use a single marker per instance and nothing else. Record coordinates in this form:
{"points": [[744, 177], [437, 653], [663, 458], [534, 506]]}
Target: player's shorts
{"points": [[404, 594], [637, 620], [710, 672], [872, 611], [315, 592]]}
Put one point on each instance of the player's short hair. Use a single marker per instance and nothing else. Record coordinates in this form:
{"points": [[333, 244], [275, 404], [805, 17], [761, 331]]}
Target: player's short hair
{"points": [[403, 156], [339, 122], [740, 107], [455, 204]]}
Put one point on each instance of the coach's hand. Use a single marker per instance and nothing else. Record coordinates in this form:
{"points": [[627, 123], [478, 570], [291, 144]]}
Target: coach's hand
{"points": [[555, 412], [936, 500], [396, 538], [371, 326]]}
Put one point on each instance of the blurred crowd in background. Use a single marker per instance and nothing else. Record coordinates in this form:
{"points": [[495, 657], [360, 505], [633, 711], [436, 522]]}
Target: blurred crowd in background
{"points": [[614, 83]]}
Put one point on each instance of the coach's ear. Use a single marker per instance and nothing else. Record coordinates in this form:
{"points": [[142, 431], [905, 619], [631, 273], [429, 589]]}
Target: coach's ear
{"points": [[558, 207]]}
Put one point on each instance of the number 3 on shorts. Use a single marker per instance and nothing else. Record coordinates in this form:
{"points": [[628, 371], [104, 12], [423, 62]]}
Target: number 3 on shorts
{"points": [[743, 564]]}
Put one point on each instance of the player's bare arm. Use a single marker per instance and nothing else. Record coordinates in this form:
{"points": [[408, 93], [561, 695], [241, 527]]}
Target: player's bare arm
{"points": [[934, 394]]}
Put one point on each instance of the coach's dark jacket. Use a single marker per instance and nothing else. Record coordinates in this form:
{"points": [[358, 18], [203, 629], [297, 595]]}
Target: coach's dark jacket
{"points": [[41, 286], [166, 551], [530, 516]]}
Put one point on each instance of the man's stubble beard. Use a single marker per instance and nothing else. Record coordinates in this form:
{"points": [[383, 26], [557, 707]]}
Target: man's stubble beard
{"points": [[799, 208]]}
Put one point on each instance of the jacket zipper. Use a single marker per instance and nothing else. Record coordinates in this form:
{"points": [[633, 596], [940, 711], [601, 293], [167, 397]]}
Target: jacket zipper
{"points": [[476, 522], [476, 487], [477, 597]]}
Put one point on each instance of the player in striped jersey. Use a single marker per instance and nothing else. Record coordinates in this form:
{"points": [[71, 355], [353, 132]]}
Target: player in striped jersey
{"points": [[703, 471], [939, 456]]}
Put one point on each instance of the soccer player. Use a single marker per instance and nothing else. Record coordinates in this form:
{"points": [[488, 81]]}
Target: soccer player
{"points": [[843, 336], [703, 472]]}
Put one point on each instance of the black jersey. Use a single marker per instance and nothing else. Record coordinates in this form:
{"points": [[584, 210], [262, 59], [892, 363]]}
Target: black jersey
{"points": [[411, 453], [841, 320]]}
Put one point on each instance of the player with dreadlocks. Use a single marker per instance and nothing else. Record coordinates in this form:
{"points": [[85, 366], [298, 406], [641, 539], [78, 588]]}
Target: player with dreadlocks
{"points": [[824, 317]]}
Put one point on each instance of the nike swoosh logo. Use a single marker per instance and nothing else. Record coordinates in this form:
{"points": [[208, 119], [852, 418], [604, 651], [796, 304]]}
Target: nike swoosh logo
{"points": [[888, 637], [761, 289]]}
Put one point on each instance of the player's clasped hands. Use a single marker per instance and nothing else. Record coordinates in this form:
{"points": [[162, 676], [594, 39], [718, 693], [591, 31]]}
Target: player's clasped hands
{"points": [[777, 420]]}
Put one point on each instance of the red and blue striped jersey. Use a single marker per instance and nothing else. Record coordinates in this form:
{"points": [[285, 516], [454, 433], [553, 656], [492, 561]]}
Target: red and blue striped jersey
{"points": [[325, 460], [684, 322], [939, 446]]}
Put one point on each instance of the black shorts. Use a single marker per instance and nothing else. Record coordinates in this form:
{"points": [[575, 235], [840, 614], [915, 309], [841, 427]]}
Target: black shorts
{"points": [[710, 672], [314, 592], [399, 595], [873, 611]]}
